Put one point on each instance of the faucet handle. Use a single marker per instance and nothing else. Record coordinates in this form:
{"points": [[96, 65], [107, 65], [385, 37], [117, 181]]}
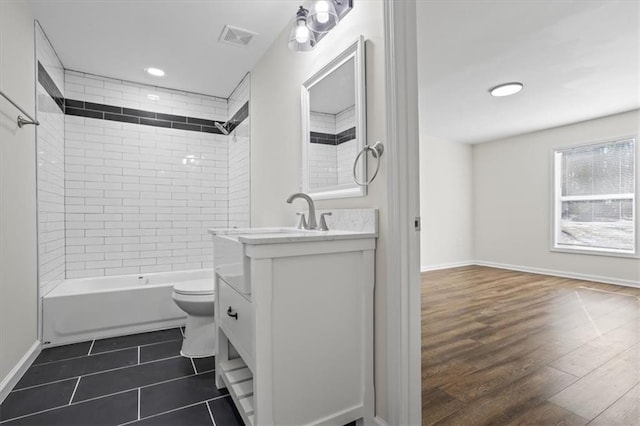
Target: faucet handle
{"points": [[323, 222], [303, 221]]}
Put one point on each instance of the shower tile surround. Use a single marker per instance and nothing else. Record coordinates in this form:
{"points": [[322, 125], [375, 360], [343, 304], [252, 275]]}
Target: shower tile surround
{"points": [[135, 379], [333, 147], [50, 164], [239, 158], [144, 178]]}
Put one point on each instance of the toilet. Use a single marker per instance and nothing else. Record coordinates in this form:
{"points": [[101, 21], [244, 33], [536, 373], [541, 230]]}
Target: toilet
{"points": [[196, 298]]}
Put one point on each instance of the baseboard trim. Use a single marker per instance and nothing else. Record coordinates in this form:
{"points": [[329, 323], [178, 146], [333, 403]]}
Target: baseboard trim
{"points": [[563, 274], [446, 266], [18, 371], [378, 421]]}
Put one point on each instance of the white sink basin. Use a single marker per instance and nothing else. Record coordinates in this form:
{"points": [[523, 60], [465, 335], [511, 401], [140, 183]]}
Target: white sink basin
{"points": [[285, 235], [230, 262]]}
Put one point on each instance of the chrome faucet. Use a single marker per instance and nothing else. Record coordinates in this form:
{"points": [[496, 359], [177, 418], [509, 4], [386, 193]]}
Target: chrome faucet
{"points": [[312, 224]]}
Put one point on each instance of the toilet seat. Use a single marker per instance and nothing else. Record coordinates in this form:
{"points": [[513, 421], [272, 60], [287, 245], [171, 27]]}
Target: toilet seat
{"points": [[194, 287]]}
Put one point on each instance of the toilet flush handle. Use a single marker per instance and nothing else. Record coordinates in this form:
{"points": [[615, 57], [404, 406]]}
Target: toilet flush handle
{"points": [[231, 313]]}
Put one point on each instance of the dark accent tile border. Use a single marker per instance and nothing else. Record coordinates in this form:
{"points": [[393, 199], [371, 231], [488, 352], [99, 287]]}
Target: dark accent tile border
{"points": [[123, 118], [155, 123], [171, 117], [323, 138], [331, 139], [102, 107], [84, 113], [238, 117], [183, 126], [149, 118], [47, 82], [346, 136], [138, 113], [200, 121]]}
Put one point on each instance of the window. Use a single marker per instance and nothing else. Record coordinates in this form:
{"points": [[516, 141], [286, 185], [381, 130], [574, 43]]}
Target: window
{"points": [[594, 206]]}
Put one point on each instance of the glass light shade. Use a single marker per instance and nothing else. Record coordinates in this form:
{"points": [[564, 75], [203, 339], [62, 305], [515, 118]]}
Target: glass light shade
{"points": [[322, 16], [301, 38]]}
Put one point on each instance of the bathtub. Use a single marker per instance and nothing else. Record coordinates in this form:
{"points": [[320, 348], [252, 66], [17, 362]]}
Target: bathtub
{"points": [[93, 308]]}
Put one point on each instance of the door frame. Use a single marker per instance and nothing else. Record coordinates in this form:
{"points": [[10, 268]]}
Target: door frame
{"points": [[403, 372]]}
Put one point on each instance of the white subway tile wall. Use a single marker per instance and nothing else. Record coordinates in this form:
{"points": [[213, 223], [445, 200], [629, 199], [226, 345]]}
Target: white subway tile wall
{"points": [[346, 154], [239, 159], [347, 151], [50, 174], [322, 166], [322, 158], [345, 119], [141, 198], [104, 90], [322, 122], [331, 165]]}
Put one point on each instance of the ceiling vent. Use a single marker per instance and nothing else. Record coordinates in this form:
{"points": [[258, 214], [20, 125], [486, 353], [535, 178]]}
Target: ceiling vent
{"points": [[236, 36]]}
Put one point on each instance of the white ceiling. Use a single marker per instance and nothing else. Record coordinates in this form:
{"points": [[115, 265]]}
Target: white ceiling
{"points": [[578, 60], [120, 38]]}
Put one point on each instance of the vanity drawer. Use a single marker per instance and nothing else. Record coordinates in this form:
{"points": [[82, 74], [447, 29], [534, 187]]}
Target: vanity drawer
{"points": [[236, 320]]}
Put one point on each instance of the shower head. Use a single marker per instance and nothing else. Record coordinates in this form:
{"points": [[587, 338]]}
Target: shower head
{"points": [[221, 128]]}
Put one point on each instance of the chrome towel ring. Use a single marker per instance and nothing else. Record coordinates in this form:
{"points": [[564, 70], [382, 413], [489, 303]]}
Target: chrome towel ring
{"points": [[376, 150]]}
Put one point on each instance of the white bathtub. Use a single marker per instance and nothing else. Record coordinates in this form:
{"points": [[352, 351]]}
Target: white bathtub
{"points": [[93, 308]]}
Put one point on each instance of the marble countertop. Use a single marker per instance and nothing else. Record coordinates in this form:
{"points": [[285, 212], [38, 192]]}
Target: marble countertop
{"points": [[287, 235]]}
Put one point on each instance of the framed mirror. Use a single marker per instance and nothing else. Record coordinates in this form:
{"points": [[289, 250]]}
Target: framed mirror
{"points": [[334, 126]]}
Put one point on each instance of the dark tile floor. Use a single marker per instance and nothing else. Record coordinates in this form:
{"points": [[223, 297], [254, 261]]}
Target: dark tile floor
{"points": [[136, 379]]}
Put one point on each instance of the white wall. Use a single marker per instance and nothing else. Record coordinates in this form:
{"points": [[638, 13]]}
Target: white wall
{"points": [[446, 202], [18, 241], [276, 140], [512, 197]]}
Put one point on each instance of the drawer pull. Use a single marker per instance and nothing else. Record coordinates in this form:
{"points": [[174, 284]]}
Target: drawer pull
{"points": [[231, 314]]}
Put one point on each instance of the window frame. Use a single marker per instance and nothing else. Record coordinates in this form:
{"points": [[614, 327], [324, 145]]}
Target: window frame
{"points": [[556, 201]]}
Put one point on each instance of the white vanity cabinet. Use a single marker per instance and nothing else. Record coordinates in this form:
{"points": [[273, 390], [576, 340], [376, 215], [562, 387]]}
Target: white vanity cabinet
{"points": [[298, 309]]}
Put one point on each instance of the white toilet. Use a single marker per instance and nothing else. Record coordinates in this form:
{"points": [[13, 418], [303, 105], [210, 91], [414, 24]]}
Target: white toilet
{"points": [[196, 298]]}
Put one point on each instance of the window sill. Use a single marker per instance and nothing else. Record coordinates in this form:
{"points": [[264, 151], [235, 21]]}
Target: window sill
{"points": [[596, 252]]}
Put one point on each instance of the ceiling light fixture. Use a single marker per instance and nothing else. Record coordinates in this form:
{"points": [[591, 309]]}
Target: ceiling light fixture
{"points": [[156, 72], [506, 89], [301, 38]]}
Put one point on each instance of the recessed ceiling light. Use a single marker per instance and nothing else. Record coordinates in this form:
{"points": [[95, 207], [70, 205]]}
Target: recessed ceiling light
{"points": [[156, 72], [152, 97], [506, 89]]}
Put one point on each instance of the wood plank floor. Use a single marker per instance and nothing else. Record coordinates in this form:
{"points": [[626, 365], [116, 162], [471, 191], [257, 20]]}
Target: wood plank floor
{"points": [[502, 347]]}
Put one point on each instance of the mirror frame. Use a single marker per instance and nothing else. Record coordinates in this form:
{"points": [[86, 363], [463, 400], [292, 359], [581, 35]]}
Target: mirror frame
{"points": [[356, 51]]}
